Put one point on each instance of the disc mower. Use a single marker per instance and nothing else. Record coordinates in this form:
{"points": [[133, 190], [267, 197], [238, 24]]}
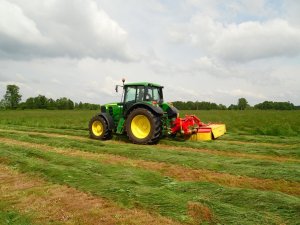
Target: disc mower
{"points": [[145, 118]]}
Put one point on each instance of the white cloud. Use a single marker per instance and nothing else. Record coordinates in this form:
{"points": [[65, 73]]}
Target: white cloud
{"points": [[75, 28], [14, 24], [254, 40], [238, 93], [241, 42], [291, 11]]}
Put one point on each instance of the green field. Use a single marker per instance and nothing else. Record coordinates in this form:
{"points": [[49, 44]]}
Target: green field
{"points": [[251, 175]]}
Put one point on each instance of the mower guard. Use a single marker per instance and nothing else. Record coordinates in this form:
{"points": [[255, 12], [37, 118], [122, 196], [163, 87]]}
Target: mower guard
{"points": [[207, 133]]}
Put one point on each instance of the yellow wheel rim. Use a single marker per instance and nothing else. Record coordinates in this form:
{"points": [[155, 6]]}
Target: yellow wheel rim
{"points": [[140, 126], [97, 128]]}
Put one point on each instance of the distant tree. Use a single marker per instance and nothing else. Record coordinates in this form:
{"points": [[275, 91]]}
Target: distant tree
{"points": [[3, 104], [41, 102], [22, 105], [94, 106], [70, 104], [222, 107], [242, 104], [80, 105], [233, 107], [30, 104], [275, 105], [51, 104], [88, 106], [12, 96], [189, 105], [64, 103]]}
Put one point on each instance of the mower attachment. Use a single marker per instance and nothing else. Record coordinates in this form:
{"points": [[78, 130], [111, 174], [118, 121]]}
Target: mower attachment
{"points": [[193, 129]]}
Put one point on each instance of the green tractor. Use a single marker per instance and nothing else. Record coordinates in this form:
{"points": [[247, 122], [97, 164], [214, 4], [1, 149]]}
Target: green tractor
{"points": [[145, 117], [142, 115]]}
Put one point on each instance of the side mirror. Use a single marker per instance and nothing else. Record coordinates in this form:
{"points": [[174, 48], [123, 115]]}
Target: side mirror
{"points": [[116, 88]]}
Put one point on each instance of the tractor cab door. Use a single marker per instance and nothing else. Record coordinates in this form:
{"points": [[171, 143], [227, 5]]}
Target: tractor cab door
{"points": [[154, 94], [132, 95]]}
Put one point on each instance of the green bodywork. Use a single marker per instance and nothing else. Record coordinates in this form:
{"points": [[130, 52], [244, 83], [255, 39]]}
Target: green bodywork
{"points": [[119, 111]]}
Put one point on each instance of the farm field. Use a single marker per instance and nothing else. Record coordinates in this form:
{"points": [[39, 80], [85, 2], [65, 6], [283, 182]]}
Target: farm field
{"points": [[52, 173]]}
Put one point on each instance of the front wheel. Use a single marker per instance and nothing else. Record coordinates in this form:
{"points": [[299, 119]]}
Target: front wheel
{"points": [[143, 127], [98, 128]]}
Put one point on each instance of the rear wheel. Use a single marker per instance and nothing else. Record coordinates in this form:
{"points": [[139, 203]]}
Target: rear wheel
{"points": [[99, 129], [143, 127]]}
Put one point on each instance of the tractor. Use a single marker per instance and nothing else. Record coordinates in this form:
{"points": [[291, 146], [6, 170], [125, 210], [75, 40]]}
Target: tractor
{"points": [[145, 118]]}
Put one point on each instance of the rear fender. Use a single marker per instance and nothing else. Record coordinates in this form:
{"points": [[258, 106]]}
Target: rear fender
{"points": [[154, 109]]}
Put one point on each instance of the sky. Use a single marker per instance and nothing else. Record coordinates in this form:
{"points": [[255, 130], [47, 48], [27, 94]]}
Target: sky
{"points": [[199, 50]]}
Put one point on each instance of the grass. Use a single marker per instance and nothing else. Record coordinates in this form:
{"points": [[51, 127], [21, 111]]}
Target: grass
{"points": [[253, 122], [11, 217], [261, 145], [196, 160], [133, 187]]}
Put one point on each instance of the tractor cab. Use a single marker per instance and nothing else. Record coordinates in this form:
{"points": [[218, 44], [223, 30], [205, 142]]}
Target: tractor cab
{"points": [[143, 92]]}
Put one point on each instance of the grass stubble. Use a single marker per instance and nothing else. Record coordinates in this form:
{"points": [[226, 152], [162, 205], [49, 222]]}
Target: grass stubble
{"points": [[163, 186]]}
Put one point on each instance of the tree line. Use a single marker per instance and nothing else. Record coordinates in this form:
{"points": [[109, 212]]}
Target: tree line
{"points": [[242, 104], [12, 100], [189, 105]]}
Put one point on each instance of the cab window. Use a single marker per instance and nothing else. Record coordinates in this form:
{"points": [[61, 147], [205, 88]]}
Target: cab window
{"points": [[135, 94], [140, 93], [130, 94], [153, 94]]}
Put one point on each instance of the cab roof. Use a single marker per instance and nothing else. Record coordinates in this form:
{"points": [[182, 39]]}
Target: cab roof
{"points": [[146, 84]]}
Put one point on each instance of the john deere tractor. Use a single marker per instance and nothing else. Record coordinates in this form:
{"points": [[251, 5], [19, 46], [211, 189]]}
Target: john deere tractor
{"points": [[145, 117]]}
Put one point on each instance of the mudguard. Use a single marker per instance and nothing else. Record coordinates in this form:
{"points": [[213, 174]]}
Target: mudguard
{"points": [[109, 120], [172, 111], [153, 109]]}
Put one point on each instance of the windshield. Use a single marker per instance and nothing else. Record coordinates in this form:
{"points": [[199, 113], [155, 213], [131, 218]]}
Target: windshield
{"points": [[142, 93], [153, 94]]}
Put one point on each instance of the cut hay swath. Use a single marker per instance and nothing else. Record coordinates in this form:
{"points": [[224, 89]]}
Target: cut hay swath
{"points": [[239, 179]]}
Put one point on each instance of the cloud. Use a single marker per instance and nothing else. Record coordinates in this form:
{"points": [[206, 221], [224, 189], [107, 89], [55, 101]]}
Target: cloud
{"points": [[238, 93], [74, 28], [241, 42], [291, 11], [255, 40], [205, 50], [15, 25]]}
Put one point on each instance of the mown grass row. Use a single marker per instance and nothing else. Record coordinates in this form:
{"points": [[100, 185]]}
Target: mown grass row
{"points": [[133, 187], [10, 216], [257, 122], [288, 146], [231, 144], [180, 173], [49, 203], [289, 171]]}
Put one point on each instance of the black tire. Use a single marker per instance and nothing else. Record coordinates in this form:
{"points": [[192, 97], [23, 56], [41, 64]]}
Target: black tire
{"points": [[106, 134], [155, 127]]}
